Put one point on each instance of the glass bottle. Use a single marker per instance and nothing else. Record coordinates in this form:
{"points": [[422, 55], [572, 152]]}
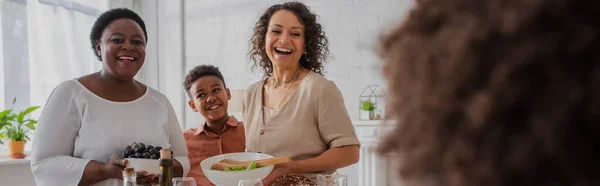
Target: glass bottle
{"points": [[129, 177], [166, 168]]}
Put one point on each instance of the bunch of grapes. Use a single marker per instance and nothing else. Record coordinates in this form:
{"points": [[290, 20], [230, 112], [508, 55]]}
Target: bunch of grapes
{"points": [[141, 150]]}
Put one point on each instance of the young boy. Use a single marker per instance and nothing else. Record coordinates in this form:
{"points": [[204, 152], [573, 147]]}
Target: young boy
{"points": [[220, 133]]}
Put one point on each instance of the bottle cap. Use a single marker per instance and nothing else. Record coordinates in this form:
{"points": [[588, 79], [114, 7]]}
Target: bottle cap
{"points": [[165, 154], [128, 172]]}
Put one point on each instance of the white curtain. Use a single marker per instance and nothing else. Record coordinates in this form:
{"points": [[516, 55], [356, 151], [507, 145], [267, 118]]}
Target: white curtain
{"points": [[59, 45]]}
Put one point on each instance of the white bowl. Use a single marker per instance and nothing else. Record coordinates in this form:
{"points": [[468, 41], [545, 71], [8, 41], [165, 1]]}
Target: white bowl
{"points": [[151, 166], [231, 178]]}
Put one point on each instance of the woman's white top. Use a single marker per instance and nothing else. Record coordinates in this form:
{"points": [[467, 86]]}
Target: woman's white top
{"points": [[77, 126]]}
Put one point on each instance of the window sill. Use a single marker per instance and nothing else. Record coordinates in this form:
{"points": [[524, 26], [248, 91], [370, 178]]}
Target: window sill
{"points": [[5, 160]]}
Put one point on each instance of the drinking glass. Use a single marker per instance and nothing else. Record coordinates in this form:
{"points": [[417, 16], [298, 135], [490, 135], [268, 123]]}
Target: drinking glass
{"points": [[184, 181], [334, 179], [250, 182]]}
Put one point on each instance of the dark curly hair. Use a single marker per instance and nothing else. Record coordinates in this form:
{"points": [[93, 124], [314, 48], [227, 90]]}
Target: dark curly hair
{"points": [[495, 93], [198, 72], [108, 17], [315, 41]]}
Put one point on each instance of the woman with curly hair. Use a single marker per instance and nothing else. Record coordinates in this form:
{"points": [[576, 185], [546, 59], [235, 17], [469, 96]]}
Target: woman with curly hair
{"points": [[294, 111], [495, 93]]}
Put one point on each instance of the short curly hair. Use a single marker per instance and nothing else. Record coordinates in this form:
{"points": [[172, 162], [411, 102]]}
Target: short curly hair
{"points": [[108, 17], [495, 93], [315, 41], [198, 72]]}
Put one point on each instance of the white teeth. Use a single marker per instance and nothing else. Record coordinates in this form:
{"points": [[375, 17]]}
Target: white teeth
{"points": [[127, 58], [213, 107], [283, 49]]}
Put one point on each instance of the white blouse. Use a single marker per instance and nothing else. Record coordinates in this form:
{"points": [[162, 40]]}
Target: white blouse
{"points": [[77, 126]]}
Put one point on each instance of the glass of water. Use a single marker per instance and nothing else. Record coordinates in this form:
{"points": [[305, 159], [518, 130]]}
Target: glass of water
{"points": [[250, 182], [334, 179], [184, 181]]}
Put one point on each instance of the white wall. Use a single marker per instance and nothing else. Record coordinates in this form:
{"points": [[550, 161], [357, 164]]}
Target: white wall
{"points": [[16, 174], [218, 33]]}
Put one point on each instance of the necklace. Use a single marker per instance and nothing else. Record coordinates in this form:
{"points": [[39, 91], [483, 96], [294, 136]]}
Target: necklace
{"points": [[276, 107], [278, 83]]}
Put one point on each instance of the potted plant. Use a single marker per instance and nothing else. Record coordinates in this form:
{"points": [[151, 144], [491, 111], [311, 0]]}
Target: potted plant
{"points": [[368, 106], [14, 127]]}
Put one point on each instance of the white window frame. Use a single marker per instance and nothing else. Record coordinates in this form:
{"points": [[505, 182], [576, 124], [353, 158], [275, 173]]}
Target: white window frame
{"points": [[3, 148], [2, 104]]}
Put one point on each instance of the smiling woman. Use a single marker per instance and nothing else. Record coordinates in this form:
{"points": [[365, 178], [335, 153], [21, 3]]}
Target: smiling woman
{"points": [[105, 105], [121, 44], [295, 111]]}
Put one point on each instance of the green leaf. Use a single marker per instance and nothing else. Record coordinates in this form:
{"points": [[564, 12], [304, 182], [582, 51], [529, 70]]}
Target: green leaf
{"points": [[5, 113], [31, 109], [236, 168], [11, 124], [20, 136], [14, 134], [367, 105], [24, 113], [31, 124], [14, 100], [251, 166], [2, 136], [10, 133], [11, 117], [4, 124], [21, 116]]}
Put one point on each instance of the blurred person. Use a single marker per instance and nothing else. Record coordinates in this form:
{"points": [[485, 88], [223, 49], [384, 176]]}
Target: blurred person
{"points": [[495, 93]]}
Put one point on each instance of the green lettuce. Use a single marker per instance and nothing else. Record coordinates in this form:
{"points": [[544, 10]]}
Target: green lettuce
{"points": [[251, 166]]}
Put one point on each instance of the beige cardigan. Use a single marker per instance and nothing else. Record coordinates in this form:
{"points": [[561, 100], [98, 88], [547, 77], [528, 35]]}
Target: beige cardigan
{"points": [[313, 120]]}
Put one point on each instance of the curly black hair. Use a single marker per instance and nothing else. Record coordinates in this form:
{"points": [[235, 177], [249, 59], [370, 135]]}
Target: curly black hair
{"points": [[315, 41], [495, 93], [108, 17], [198, 72]]}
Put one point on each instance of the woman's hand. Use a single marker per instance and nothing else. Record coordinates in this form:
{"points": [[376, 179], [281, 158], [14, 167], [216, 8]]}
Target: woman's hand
{"points": [[331, 159], [278, 171], [114, 168], [142, 178]]}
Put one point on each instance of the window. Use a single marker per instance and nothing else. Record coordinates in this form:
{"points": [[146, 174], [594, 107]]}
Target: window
{"points": [[43, 43]]}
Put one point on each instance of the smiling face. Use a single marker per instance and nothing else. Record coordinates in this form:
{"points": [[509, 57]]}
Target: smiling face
{"points": [[209, 97], [122, 48], [284, 43]]}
